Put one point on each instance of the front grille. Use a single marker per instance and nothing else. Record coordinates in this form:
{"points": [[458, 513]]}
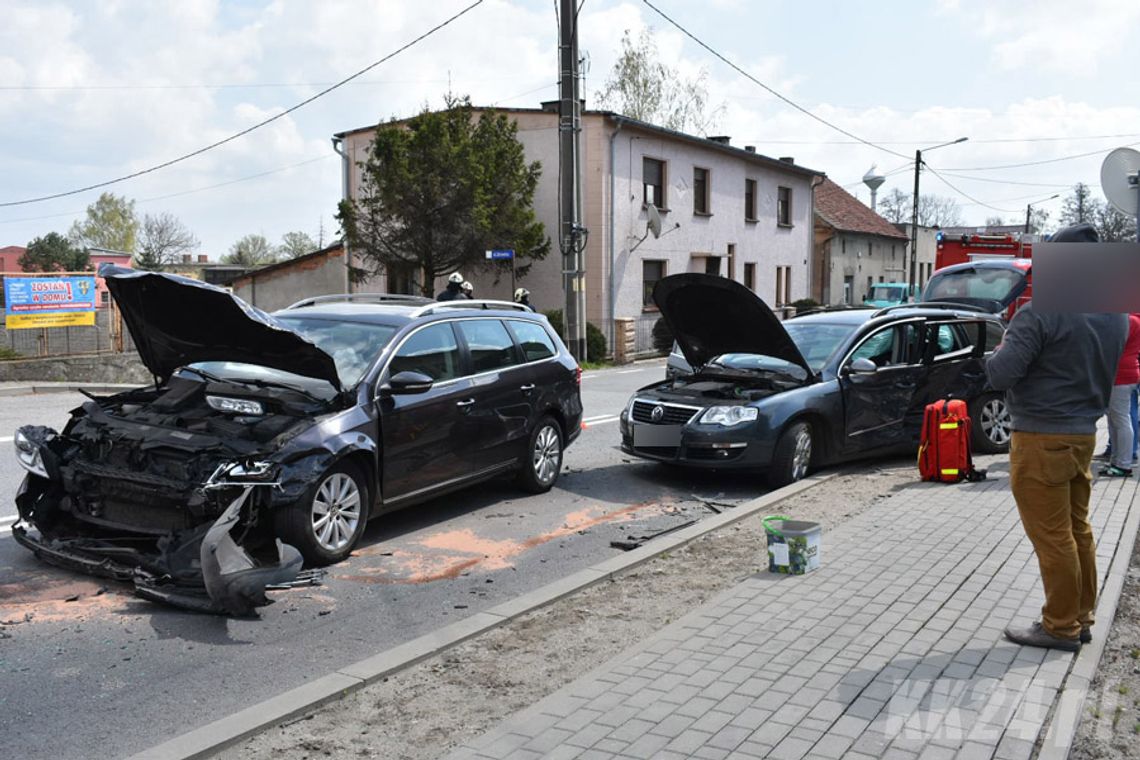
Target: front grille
{"points": [[673, 414], [665, 452]]}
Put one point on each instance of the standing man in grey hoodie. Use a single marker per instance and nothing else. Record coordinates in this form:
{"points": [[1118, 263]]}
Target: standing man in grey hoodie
{"points": [[1057, 370]]}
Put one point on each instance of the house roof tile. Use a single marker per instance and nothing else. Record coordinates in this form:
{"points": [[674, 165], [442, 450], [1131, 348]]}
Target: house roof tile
{"points": [[843, 211]]}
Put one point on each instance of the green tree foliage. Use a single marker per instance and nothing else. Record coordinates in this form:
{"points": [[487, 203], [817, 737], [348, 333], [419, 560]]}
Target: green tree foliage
{"points": [[251, 251], [54, 253], [440, 189], [1078, 206], [163, 241], [110, 223], [595, 338], [294, 244], [641, 87]]}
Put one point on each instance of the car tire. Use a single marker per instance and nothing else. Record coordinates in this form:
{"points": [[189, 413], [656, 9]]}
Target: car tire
{"points": [[326, 524], [990, 424], [542, 461], [793, 456]]}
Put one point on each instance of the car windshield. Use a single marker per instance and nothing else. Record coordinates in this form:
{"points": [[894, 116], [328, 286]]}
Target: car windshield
{"points": [[887, 293], [816, 341], [353, 347], [972, 284]]}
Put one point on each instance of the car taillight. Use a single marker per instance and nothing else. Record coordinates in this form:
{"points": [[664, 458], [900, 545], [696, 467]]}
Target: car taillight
{"points": [[578, 375]]}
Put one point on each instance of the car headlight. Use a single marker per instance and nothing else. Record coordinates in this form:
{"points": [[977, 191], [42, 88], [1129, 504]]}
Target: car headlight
{"points": [[235, 405], [28, 454], [729, 415]]}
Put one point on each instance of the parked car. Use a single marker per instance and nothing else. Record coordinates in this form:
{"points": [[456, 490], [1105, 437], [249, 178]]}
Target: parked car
{"points": [[886, 294], [785, 398], [271, 439], [998, 285]]}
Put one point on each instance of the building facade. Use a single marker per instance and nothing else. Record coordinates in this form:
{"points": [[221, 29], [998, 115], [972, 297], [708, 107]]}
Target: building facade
{"points": [[724, 210]]}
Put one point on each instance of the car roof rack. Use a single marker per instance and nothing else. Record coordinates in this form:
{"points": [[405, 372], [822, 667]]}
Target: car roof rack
{"points": [[381, 298], [932, 305], [830, 308], [477, 303]]}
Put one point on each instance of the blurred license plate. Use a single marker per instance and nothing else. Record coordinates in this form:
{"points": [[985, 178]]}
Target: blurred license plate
{"points": [[656, 435]]}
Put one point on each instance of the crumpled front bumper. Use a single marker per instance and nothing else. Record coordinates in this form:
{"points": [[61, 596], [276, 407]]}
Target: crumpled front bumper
{"points": [[205, 569]]}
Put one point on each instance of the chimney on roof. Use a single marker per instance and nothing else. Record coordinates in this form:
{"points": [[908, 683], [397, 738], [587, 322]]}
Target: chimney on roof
{"points": [[788, 159], [750, 148], [203, 258], [186, 258], [722, 139]]}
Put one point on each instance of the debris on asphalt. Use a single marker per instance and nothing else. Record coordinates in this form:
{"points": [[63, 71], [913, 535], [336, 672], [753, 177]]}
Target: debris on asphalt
{"points": [[633, 542]]}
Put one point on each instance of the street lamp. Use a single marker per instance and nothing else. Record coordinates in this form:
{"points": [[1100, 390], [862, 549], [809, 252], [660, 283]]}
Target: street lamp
{"points": [[1034, 203], [914, 210]]}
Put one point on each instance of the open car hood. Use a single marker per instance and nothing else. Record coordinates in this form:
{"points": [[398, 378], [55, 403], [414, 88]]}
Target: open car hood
{"points": [[711, 315], [176, 321], [991, 285]]}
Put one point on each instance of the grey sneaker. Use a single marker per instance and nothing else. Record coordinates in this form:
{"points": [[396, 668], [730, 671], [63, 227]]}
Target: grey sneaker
{"points": [[1086, 634], [1036, 636]]}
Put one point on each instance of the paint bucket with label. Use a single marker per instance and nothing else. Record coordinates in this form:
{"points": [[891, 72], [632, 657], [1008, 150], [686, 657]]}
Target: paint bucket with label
{"points": [[795, 547]]}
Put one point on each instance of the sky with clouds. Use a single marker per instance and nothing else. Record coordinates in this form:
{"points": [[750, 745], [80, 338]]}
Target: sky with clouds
{"points": [[91, 90]]}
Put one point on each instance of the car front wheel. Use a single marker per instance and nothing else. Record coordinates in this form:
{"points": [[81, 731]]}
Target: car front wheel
{"points": [[991, 424], [792, 459], [328, 522], [543, 460]]}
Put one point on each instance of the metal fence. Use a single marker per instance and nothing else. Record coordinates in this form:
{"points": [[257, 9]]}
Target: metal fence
{"points": [[105, 336], [644, 345]]}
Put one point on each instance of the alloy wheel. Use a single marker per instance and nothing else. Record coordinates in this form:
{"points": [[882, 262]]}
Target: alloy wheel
{"points": [[336, 511], [996, 421], [801, 456], [547, 455]]}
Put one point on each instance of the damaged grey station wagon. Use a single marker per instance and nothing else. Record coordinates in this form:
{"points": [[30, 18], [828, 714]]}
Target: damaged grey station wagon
{"points": [[267, 441]]}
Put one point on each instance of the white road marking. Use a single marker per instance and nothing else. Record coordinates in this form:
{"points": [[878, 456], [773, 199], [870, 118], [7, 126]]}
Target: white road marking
{"points": [[629, 371], [6, 438], [601, 420]]}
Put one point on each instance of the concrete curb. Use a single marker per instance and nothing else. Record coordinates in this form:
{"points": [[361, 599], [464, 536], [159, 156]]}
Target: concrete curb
{"points": [[1062, 730], [214, 737], [38, 388]]}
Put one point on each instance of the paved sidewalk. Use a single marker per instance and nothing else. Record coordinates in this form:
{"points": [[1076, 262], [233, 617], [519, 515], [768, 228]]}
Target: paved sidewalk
{"points": [[893, 649]]}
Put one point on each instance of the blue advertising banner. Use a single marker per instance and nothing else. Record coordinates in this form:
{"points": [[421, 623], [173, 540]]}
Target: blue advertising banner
{"points": [[48, 301]]}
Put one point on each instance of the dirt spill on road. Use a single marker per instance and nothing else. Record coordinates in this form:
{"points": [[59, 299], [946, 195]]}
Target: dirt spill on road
{"points": [[47, 597], [449, 553]]}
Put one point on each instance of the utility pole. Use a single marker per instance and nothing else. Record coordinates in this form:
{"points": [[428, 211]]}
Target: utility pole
{"points": [[571, 241], [914, 215]]}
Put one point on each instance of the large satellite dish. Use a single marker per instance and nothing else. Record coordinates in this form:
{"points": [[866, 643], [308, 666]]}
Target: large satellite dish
{"points": [[655, 219], [1118, 179]]}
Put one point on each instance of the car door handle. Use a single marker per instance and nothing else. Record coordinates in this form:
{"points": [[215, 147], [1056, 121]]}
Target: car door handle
{"points": [[527, 388], [465, 404]]}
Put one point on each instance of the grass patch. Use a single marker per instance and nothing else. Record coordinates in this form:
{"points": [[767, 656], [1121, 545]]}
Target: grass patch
{"points": [[7, 354], [595, 365], [1122, 689]]}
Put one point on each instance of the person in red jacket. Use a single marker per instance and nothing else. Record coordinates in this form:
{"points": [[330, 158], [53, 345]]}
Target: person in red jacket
{"points": [[1120, 430]]}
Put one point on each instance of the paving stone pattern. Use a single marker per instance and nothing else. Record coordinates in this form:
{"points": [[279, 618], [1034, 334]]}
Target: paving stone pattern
{"points": [[892, 649]]}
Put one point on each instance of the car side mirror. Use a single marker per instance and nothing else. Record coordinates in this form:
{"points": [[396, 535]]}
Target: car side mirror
{"points": [[862, 366], [408, 382]]}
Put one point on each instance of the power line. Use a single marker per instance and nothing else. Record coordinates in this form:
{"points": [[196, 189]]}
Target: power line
{"points": [[521, 94], [1006, 181], [965, 194], [762, 141], [247, 130], [225, 86], [1037, 163], [183, 192], [754, 80]]}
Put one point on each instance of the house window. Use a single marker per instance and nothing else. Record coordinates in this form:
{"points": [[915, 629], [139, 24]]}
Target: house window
{"points": [[870, 285], [848, 286], [402, 278], [749, 200], [784, 206], [651, 272], [732, 261], [700, 191], [712, 265], [783, 286], [653, 179], [750, 276]]}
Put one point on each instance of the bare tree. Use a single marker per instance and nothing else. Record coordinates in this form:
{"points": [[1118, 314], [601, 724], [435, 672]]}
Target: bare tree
{"points": [[1113, 226], [938, 211], [162, 241], [641, 87], [895, 206]]}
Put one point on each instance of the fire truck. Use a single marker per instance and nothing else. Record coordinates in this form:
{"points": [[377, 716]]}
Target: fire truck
{"points": [[958, 249]]}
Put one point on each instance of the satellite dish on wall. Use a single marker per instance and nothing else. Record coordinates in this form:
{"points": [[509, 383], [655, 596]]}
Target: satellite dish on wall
{"points": [[655, 220], [1119, 179]]}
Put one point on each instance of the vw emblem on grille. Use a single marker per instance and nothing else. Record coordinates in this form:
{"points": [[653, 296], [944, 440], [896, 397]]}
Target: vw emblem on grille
{"points": [[657, 413]]}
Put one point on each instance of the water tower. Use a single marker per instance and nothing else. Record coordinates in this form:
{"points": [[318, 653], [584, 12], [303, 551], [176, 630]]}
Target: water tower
{"points": [[873, 179]]}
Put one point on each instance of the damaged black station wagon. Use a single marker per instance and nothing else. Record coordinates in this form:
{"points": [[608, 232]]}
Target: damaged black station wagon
{"points": [[267, 442]]}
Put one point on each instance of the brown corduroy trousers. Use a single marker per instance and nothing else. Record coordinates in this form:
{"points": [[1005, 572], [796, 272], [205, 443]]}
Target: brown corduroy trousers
{"points": [[1051, 482]]}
